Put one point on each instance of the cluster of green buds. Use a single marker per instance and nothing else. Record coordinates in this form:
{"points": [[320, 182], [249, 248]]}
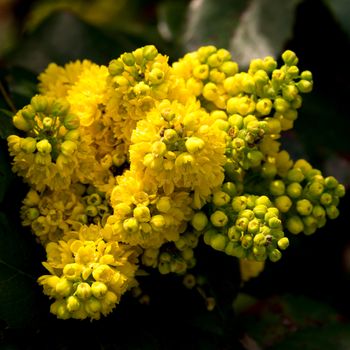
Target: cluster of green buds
{"points": [[306, 198], [52, 215], [244, 226], [50, 128], [209, 67], [173, 257]]}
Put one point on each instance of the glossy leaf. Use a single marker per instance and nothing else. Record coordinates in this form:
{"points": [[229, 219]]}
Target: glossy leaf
{"points": [[341, 12], [249, 29], [63, 37], [18, 288]]}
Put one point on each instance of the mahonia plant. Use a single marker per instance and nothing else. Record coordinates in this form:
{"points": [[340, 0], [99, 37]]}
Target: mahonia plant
{"points": [[131, 165]]}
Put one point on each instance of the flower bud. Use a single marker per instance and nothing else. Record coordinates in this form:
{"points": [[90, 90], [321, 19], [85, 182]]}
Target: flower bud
{"points": [[68, 148], [73, 303], [131, 225], [219, 218], [199, 221], [289, 58], [218, 242], [71, 122], [39, 103], [64, 287], [275, 255], [283, 243], [304, 86], [220, 198], [98, 289], [142, 214], [304, 207], [149, 52], [283, 203], [115, 67], [44, 146], [22, 124], [28, 144], [294, 224], [157, 222]]}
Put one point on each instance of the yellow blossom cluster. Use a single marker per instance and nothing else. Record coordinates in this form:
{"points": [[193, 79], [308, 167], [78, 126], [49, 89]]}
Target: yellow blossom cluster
{"points": [[134, 165]]}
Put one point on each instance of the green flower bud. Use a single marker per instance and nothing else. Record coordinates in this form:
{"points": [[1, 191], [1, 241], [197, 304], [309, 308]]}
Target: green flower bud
{"points": [[73, 303], [233, 233], [254, 226], [72, 135], [260, 210], [229, 68], [247, 241], [64, 287], [290, 58], [242, 223], [275, 255], [149, 52], [281, 105], [98, 289], [294, 190], [259, 239], [304, 207], [131, 225], [221, 198], [71, 122], [128, 59], [332, 212], [39, 103], [264, 106], [289, 92], [60, 107], [164, 268], [218, 242], [283, 203], [306, 75], [295, 175], [22, 124], [91, 211], [199, 221], [28, 144], [277, 187], [116, 67], [294, 224], [236, 120], [194, 144], [164, 204], [44, 146], [219, 218], [72, 271], [142, 214], [68, 148], [83, 291], [239, 203], [340, 190], [28, 113], [156, 76], [326, 199], [283, 243], [229, 188], [331, 182], [157, 222], [275, 223], [304, 86]]}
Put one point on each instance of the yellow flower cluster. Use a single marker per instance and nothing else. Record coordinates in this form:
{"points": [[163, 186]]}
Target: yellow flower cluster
{"points": [[134, 164]]}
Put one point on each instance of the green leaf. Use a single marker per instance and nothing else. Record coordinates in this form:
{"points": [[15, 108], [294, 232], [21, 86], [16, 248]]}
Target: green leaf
{"points": [[212, 22], [249, 29], [63, 37], [341, 12], [328, 337], [6, 126], [273, 320], [263, 30], [18, 288]]}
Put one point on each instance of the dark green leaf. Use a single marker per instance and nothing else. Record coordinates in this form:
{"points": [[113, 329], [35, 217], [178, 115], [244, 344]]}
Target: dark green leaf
{"points": [[6, 126], [212, 22], [326, 338], [63, 37], [249, 29], [18, 286], [341, 11], [263, 29]]}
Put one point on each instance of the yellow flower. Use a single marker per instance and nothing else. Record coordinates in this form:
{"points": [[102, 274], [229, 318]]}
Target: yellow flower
{"points": [[56, 81], [88, 277], [179, 146]]}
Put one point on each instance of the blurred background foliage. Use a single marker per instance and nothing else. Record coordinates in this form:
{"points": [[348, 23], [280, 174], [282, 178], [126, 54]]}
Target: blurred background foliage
{"points": [[300, 302]]}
